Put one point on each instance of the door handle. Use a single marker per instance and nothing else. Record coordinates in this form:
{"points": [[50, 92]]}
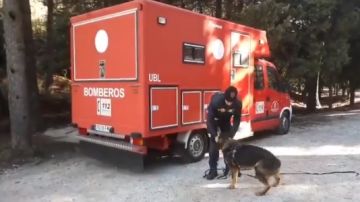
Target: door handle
{"points": [[233, 74]]}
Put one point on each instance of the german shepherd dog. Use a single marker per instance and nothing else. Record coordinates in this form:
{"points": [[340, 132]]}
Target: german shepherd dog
{"points": [[241, 156]]}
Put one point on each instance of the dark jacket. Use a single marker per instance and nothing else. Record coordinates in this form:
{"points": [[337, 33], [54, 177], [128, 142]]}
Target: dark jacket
{"points": [[219, 115]]}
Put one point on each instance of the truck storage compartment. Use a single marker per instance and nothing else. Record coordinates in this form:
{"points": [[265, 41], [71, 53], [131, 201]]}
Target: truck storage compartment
{"points": [[191, 107], [163, 107]]}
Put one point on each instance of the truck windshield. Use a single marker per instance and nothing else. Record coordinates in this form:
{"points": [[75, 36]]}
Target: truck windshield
{"points": [[274, 79], [259, 77]]}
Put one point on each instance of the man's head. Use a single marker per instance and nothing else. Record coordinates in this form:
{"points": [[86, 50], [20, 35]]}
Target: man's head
{"points": [[230, 95]]}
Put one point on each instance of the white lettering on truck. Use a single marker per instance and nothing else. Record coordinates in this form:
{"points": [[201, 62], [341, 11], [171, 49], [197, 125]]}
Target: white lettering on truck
{"points": [[154, 78], [104, 92]]}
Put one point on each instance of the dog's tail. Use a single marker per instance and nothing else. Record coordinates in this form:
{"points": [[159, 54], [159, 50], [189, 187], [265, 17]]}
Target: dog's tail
{"points": [[276, 163], [273, 165]]}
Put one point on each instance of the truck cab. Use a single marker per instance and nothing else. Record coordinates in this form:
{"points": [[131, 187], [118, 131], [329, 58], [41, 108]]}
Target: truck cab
{"points": [[272, 107]]}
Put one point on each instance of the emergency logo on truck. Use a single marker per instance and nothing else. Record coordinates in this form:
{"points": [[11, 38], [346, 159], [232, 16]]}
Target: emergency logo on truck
{"points": [[259, 107], [103, 106], [275, 106]]}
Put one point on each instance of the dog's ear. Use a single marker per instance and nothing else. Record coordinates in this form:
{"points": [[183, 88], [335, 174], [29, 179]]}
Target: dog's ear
{"points": [[226, 135], [219, 140]]}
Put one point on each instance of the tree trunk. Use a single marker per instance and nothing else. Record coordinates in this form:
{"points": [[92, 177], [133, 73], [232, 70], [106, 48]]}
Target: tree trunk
{"points": [[182, 5], [106, 3], [336, 90], [31, 72], [304, 94], [229, 9], [330, 96], [318, 91], [299, 90], [311, 98], [23, 94], [4, 108], [352, 96], [218, 8], [49, 45]]}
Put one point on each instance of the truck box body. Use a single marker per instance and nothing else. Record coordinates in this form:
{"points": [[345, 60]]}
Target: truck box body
{"points": [[149, 68]]}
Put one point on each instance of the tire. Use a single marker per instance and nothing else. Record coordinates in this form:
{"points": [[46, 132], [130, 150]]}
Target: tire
{"points": [[196, 148], [285, 123]]}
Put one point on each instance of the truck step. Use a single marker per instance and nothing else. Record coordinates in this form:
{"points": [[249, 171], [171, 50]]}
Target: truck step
{"points": [[114, 144]]}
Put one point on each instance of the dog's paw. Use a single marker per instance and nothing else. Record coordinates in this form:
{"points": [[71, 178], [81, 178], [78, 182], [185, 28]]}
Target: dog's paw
{"points": [[232, 186], [275, 185], [260, 193]]}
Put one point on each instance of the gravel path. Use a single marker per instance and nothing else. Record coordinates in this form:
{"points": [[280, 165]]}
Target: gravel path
{"points": [[318, 143]]}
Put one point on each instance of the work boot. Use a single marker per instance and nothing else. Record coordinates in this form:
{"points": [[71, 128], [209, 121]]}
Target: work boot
{"points": [[212, 174], [226, 171]]}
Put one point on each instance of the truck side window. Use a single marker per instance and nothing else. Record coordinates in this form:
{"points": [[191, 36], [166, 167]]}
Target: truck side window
{"points": [[259, 77], [193, 53], [273, 78], [240, 59]]}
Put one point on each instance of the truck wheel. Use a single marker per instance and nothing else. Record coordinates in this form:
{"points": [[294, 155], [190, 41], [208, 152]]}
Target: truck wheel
{"points": [[284, 126], [196, 148]]}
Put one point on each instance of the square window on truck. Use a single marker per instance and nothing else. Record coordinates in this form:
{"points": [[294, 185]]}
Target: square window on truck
{"points": [[240, 59], [193, 53], [259, 77], [273, 78]]}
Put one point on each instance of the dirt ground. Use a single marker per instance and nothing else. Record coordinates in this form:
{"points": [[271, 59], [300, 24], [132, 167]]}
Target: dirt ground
{"points": [[325, 142]]}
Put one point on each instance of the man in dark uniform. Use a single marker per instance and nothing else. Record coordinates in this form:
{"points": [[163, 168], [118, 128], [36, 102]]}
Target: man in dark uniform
{"points": [[222, 108]]}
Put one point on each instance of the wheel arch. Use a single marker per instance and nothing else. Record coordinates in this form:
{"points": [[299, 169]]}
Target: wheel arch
{"points": [[287, 110], [183, 137]]}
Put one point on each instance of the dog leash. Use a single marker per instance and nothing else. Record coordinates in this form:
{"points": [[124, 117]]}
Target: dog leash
{"points": [[314, 173], [324, 173], [206, 173], [223, 176], [289, 173]]}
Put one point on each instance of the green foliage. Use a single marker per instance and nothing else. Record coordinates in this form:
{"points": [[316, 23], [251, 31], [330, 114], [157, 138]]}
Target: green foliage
{"points": [[305, 36], [308, 36], [275, 18], [351, 71]]}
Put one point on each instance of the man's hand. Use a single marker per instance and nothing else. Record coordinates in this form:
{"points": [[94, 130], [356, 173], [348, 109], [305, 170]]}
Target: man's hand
{"points": [[214, 138], [232, 132], [217, 139]]}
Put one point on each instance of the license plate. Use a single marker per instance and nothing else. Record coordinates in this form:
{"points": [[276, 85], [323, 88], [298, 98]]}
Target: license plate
{"points": [[102, 128]]}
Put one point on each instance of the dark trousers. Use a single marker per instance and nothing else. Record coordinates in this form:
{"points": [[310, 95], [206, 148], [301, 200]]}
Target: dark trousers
{"points": [[213, 154], [214, 149]]}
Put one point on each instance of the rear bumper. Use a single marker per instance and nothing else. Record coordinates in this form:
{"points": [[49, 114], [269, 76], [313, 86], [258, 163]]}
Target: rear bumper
{"points": [[114, 144]]}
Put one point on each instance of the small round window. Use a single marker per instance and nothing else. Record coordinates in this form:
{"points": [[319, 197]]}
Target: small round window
{"points": [[101, 41], [218, 49]]}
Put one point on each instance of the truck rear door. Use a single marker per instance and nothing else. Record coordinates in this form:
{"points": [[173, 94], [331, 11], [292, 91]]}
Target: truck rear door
{"points": [[104, 66], [104, 48]]}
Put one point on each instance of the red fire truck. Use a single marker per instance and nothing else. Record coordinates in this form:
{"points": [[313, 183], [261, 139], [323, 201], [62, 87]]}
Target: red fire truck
{"points": [[143, 74]]}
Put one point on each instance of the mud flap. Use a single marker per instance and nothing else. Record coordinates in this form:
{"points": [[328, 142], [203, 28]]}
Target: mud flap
{"points": [[120, 158]]}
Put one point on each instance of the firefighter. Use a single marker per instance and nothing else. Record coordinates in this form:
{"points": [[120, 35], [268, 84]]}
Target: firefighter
{"points": [[222, 108]]}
